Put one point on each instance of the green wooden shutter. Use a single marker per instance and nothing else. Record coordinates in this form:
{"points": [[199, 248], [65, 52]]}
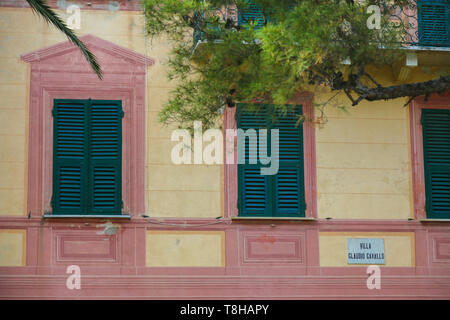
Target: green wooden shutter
{"points": [[70, 156], [436, 151], [105, 165], [254, 188], [289, 181], [281, 194], [198, 35], [87, 157], [251, 13], [434, 22]]}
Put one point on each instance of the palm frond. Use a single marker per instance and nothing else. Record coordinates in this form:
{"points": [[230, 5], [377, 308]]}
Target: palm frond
{"points": [[42, 8]]}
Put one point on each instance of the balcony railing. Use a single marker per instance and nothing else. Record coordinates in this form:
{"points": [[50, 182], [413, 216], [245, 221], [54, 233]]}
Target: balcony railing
{"points": [[427, 22]]}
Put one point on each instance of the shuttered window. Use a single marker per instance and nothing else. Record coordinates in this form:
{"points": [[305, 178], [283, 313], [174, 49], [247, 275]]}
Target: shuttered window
{"points": [[87, 157], [252, 13], [255, 13], [282, 194], [434, 22], [436, 151]]}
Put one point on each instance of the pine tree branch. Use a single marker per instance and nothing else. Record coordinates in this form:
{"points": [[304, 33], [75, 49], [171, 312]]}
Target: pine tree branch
{"points": [[412, 90], [404, 90]]}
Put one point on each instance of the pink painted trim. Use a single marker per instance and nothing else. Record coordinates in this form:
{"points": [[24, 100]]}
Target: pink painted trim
{"points": [[113, 270], [352, 286], [230, 170], [415, 109], [53, 76], [340, 225], [309, 146]]}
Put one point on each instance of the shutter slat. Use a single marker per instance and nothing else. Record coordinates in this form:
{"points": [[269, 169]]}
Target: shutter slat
{"points": [[440, 192], [70, 130], [255, 199], [252, 119], [290, 134]]}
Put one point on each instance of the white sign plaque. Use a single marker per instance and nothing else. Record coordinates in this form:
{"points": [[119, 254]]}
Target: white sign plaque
{"points": [[365, 251]]}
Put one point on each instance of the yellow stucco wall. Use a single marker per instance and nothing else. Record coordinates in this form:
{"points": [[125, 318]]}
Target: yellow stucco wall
{"points": [[399, 248], [12, 247], [171, 191], [363, 157], [14, 26], [363, 160], [185, 249], [363, 153], [174, 190]]}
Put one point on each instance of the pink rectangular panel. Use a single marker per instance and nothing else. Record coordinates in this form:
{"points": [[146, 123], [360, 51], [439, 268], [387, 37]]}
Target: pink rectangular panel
{"points": [[85, 246], [273, 248], [441, 249]]}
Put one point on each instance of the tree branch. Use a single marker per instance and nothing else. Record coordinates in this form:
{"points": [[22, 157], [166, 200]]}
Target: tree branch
{"points": [[404, 90]]}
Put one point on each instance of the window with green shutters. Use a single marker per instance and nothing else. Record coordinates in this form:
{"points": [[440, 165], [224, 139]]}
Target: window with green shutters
{"points": [[252, 13], [87, 157], [282, 194], [436, 152], [434, 22], [257, 14]]}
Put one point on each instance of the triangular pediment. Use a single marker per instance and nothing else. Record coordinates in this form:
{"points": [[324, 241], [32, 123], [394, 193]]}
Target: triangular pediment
{"points": [[67, 53]]}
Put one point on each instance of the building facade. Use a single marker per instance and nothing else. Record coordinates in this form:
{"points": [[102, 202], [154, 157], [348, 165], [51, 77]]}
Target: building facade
{"points": [[87, 178]]}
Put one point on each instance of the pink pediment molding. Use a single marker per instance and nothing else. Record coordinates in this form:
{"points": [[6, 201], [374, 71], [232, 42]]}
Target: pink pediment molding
{"points": [[99, 46], [61, 72]]}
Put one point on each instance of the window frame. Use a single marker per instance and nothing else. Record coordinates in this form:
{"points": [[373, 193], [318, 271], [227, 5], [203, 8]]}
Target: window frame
{"points": [[270, 180], [309, 160], [417, 156], [428, 173], [53, 76]]}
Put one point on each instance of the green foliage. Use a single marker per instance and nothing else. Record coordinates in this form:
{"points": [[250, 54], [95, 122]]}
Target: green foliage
{"points": [[302, 43]]}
